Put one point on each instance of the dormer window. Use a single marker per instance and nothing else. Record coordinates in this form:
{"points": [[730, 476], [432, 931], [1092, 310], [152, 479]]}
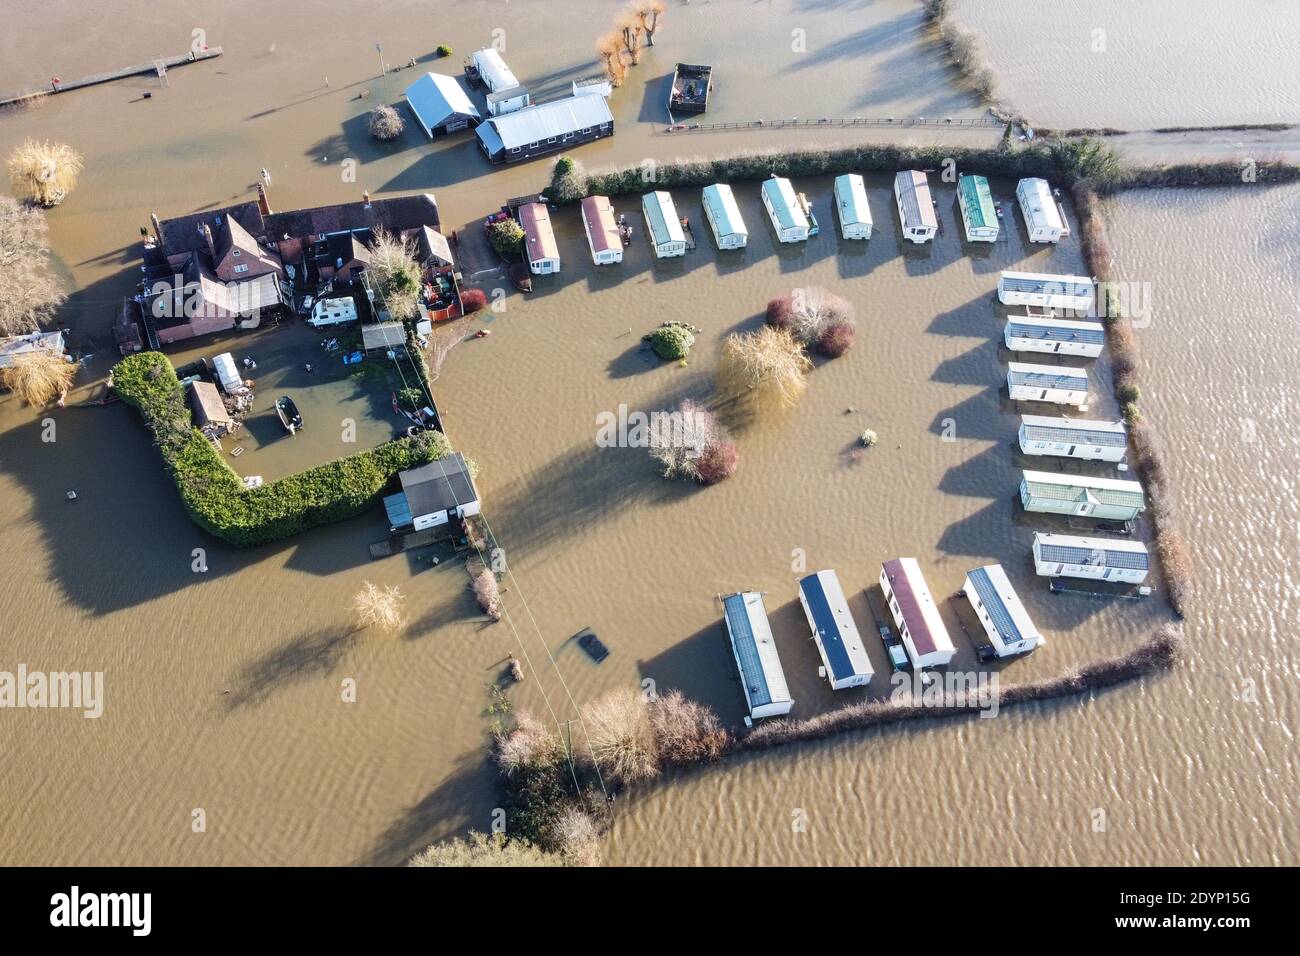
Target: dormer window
{"points": [[236, 252]]}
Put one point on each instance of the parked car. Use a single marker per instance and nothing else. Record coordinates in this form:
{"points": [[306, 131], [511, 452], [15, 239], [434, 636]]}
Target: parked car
{"points": [[894, 647]]}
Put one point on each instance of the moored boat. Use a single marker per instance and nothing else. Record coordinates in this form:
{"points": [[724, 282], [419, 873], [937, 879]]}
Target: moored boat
{"points": [[290, 418], [520, 277]]}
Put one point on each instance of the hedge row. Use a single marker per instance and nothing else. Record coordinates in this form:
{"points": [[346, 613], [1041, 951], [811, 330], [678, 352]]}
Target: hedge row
{"points": [[215, 496]]}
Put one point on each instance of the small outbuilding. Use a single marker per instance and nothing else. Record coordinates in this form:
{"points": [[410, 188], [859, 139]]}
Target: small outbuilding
{"points": [[602, 230], [788, 214], [1098, 559], [978, 212], [1025, 333], [916, 212], [210, 414], [1106, 499], [720, 209], [440, 105], [383, 336], [1073, 294], [844, 659], [1057, 384], [540, 247], [851, 206], [1073, 438], [662, 226], [433, 494], [1044, 218], [1001, 613], [924, 635], [761, 675], [501, 102]]}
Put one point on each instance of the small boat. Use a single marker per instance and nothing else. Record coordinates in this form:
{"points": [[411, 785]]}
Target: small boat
{"points": [[289, 415], [520, 277]]}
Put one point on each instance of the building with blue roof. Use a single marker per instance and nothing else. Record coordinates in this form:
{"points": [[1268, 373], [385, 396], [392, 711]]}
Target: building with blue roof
{"points": [[844, 659], [1006, 623], [761, 676]]}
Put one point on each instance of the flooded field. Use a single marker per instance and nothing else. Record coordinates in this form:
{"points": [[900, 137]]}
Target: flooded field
{"points": [[1093, 63], [223, 687]]}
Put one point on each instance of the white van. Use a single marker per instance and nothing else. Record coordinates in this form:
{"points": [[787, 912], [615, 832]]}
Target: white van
{"points": [[333, 312], [228, 373]]}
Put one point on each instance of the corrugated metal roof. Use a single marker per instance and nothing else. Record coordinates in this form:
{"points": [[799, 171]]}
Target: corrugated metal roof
{"points": [[1092, 552], [977, 201], [545, 121], [1053, 330], [721, 203], [665, 226], [1078, 488], [1003, 604], [751, 639], [436, 98], [1080, 431], [913, 191], [851, 200], [1047, 376], [784, 204], [833, 625]]}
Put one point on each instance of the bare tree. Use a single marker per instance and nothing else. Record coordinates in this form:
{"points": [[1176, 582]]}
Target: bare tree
{"points": [[610, 50], [767, 365], [622, 738], [679, 439], [44, 172], [378, 606], [29, 292], [649, 13], [632, 30], [440, 345], [392, 265]]}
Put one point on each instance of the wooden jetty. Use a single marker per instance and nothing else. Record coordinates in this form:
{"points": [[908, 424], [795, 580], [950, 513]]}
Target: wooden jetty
{"points": [[405, 541], [158, 65]]}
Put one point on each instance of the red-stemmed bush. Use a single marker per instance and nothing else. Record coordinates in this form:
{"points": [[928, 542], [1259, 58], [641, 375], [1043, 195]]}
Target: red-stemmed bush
{"points": [[780, 312], [717, 463], [471, 300], [836, 338]]}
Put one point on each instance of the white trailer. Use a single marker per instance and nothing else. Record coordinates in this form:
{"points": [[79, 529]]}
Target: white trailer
{"points": [[724, 217], [761, 675], [1058, 384], [851, 205], [1073, 438], [1097, 559], [662, 225], [844, 659], [915, 206], [788, 214], [228, 374], [333, 312], [922, 630], [1043, 218], [1026, 333], [1001, 613], [1072, 294], [1106, 499]]}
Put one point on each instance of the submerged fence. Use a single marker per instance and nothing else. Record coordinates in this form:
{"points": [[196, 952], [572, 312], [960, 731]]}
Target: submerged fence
{"points": [[948, 122]]}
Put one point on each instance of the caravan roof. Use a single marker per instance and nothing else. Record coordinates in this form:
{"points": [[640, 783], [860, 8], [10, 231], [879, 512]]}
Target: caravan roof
{"points": [[851, 199], [977, 200], [1094, 552], [1057, 330], [665, 226], [785, 205], [1109, 491], [1080, 430], [1003, 604], [916, 605], [914, 193], [1038, 204], [493, 69], [834, 627], [539, 238], [761, 675], [598, 214], [1046, 376], [721, 203]]}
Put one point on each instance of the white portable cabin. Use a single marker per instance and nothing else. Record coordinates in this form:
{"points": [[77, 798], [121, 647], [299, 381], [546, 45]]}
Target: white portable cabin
{"points": [[602, 231], [1073, 438], [1000, 611], [724, 217], [1043, 218], [663, 227], [333, 312], [924, 635], [492, 70], [540, 247], [844, 659], [228, 373], [1073, 294], [915, 207], [512, 100], [784, 209], [978, 212], [1107, 499], [1099, 559], [1058, 384], [761, 676], [1056, 336], [851, 206]]}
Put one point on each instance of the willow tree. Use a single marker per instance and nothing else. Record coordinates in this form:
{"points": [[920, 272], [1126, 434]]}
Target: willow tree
{"points": [[649, 13], [44, 172], [29, 291], [610, 51], [373, 606], [38, 376], [767, 366]]}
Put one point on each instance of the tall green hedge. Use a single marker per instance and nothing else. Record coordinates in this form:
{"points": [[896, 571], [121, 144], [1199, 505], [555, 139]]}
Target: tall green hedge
{"points": [[215, 496]]}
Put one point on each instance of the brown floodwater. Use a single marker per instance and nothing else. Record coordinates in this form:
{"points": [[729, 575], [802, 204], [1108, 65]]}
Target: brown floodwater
{"points": [[1157, 63], [223, 687]]}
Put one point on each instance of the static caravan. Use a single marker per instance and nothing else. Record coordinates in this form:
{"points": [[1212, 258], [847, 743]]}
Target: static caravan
{"points": [[602, 231], [915, 207], [663, 227], [761, 676], [978, 212], [1073, 294], [540, 247], [1002, 615], [492, 70], [788, 216], [1073, 438], [1058, 384], [1100, 559], [1057, 336], [844, 659], [1042, 213], [851, 205], [440, 105], [915, 614], [724, 218], [1107, 499]]}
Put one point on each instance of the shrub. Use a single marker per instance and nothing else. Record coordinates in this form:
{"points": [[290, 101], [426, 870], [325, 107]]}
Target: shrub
{"points": [[767, 365], [568, 181], [869, 438], [537, 795], [718, 463], [686, 732], [38, 376], [483, 850], [1128, 393], [378, 607], [505, 236], [780, 312], [530, 744], [578, 838], [410, 398], [385, 123], [44, 172], [215, 496], [679, 439], [1132, 414], [487, 591], [621, 737], [444, 50], [836, 338], [671, 342], [471, 300]]}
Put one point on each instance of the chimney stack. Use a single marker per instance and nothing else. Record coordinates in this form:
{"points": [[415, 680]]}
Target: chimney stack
{"points": [[207, 237], [263, 203], [157, 226], [365, 196]]}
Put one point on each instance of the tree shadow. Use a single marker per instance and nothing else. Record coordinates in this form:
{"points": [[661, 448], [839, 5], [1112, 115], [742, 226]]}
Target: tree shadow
{"points": [[308, 656]]}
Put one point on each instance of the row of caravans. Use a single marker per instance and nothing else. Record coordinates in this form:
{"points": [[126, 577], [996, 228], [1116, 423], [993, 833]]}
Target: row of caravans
{"points": [[981, 216], [922, 638]]}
